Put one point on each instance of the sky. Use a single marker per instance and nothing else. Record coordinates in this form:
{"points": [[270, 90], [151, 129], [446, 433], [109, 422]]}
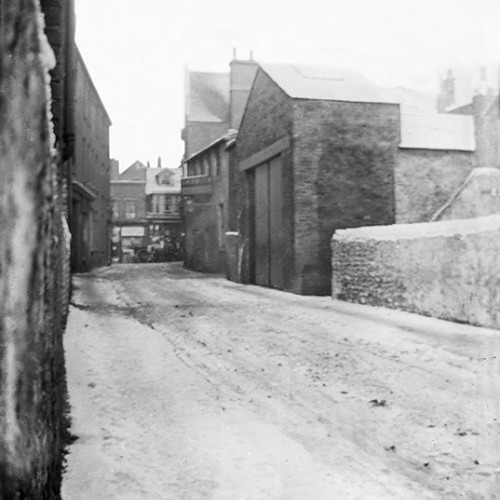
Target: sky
{"points": [[137, 52]]}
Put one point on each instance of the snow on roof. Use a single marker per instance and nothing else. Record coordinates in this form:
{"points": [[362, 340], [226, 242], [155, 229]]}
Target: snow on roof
{"points": [[437, 131], [207, 96], [154, 178], [324, 83]]}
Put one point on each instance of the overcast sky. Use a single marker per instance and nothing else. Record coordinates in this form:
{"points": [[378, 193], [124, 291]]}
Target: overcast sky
{"points": [[136, 51]]}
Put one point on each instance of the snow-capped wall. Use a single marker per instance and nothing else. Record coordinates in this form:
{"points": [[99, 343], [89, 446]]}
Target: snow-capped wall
{"points": [[447, 269]]}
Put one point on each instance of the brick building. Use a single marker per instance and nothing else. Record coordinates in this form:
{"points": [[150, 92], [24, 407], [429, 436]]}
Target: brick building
{"points": [[205, 188], [128, 202], [146, 211], [90, 178], [319, 150], [163, 210], [206, 169]]}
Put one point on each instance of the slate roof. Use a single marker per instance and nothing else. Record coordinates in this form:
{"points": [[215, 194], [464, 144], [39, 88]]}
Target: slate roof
{"points": [[437, 131], [136, 172], [207, 96], [152, 181], [324, 83]]}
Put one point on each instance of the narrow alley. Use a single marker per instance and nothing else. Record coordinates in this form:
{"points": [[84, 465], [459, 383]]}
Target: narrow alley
{"points": [[187, 386]]}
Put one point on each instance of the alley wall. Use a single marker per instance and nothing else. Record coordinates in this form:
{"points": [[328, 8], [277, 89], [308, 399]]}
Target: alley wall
{"points": [[447, 269], [33, 263]]}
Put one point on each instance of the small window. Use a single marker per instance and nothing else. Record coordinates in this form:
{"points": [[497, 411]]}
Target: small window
{"points": [[130, 209], [116, 209], [165, 180]]}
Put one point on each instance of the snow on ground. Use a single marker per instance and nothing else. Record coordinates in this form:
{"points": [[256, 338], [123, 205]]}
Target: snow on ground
{"points": [[187, 386]]}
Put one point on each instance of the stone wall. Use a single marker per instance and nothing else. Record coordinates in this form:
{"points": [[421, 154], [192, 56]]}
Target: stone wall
{"points": [[447, 269], [478, 196], [32, 264], [424, 180]]}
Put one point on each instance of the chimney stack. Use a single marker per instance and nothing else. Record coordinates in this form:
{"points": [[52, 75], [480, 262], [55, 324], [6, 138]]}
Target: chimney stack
{"points": [[242, 75]]}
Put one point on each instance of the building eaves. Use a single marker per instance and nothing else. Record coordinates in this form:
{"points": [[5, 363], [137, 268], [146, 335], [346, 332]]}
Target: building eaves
{"points": [[228, 137]]}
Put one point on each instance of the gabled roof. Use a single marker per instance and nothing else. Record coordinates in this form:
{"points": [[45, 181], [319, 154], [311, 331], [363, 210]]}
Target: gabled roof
{"points": [[207, 97], [154, 177], [437, 131], [136, 172], [324, 83]]}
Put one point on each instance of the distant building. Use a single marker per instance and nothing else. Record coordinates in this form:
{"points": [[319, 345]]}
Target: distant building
{"points": [[322, 149], [214, 107], [163, 209], [146, 212], [128, 201], [90, 177], [475, 93], [205, 187]]}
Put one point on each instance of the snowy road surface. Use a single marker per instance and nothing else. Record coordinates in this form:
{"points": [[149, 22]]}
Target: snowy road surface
{"points": [[187, 386]]}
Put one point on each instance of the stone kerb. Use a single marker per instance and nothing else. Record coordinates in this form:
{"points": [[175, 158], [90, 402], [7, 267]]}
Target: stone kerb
{"points": [[446, 269]]}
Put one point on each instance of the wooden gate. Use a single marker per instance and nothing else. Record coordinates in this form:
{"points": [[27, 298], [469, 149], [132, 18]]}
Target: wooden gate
{"points": [[268, 251]]}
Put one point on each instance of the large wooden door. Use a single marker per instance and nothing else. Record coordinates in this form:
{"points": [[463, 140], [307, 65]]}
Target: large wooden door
{"points": [[276, 223], [268, 251], [261, 251]]}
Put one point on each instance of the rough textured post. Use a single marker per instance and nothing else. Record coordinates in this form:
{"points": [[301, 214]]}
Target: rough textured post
{"points": [[32, 384]]}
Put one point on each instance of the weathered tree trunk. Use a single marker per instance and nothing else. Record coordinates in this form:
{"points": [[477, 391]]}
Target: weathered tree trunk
{"points": [[32, 254]]}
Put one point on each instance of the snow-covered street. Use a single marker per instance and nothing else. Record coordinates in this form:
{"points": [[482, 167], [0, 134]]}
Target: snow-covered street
{"points": [[188, 386]]}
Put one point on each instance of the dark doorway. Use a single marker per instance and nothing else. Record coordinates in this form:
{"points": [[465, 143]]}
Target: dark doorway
{"points": [[268, 224]]}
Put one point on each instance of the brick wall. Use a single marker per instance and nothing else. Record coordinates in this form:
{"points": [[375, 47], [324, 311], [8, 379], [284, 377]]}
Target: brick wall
{"points": [[447, 269], [205, 226], [344, 159], [121, 192], [268, 117], [425, 180], [32, 381]]}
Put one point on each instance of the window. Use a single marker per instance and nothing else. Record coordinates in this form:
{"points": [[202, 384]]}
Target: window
{"points": [[130, 209], [171, 204], [116, 209], [165, 180], [206, 166], [155, 206]]}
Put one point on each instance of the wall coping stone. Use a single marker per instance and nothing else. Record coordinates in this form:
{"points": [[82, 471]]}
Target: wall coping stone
{"points": [[420, 230]]}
